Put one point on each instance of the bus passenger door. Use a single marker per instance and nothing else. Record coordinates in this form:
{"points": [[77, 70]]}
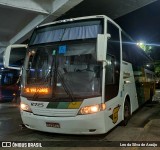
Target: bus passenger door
{"points": [[112, 77], [112, 92]]}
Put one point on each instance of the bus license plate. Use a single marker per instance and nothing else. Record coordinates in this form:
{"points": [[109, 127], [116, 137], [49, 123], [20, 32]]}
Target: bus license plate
{"points": [[53, 124]]}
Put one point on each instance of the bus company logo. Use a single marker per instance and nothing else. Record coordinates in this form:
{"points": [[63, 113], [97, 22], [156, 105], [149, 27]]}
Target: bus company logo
{"points": [[37, 104], [6, 144], [114, 115]]}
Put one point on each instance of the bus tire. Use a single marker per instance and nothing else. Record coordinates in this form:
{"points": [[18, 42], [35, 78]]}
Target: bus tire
{"points": [[126, 113]]}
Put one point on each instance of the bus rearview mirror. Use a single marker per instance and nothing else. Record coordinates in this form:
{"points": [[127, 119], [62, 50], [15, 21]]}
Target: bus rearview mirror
{"points": [[102, 46], [14, 56]]}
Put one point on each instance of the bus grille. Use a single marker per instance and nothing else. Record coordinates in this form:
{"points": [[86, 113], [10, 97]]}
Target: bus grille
{"points": [[55, 112]]}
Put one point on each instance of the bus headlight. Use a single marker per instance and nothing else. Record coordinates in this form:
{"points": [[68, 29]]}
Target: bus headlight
{"points": [[25, 107], [92, 109]]}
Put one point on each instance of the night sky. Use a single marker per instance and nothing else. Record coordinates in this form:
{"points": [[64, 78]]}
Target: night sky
{"points": [[144, 25]]}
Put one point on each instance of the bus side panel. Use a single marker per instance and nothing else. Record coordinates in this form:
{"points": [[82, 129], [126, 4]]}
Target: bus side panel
{"points": [[145, 85], [113, 112], [129, 86], [115, 106]]}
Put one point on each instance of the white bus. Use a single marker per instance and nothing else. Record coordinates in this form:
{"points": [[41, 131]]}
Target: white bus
{"points": [[78, 76]]}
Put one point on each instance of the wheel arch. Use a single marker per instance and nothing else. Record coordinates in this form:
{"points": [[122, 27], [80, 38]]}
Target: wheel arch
{"points": [[126, 98]]}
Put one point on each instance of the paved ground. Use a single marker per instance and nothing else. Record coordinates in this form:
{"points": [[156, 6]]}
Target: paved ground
{"points": [[143, 126]]}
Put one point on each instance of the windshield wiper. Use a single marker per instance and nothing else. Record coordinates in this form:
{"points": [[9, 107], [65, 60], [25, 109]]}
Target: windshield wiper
{"points": [[57, 73], [65, 86]]}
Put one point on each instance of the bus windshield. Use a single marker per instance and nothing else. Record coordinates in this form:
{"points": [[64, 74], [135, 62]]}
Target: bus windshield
{"points": [[69, 69], [9, 85], [62, 58], [8, 78]]}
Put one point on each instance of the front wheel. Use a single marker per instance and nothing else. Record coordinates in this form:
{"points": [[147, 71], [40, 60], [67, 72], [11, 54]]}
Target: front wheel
{"points": [[127, 113]]}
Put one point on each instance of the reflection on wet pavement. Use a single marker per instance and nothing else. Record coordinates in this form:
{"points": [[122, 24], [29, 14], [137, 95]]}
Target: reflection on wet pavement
{"points": [[9, 119]]}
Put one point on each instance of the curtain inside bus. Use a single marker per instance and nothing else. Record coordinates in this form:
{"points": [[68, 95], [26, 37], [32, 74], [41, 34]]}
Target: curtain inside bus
{"points": [[73, 31]]}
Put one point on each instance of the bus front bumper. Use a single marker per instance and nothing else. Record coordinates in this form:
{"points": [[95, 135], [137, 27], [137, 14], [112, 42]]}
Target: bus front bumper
{"points": [[80, 124]]}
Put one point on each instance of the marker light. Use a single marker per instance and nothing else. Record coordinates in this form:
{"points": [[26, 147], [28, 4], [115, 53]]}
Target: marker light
{"points": [[92, 109], [37, 90], [25, 107]]}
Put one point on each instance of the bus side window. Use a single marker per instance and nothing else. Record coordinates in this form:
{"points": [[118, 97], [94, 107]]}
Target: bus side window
{"points": [[111, 88], [110, 69]]}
